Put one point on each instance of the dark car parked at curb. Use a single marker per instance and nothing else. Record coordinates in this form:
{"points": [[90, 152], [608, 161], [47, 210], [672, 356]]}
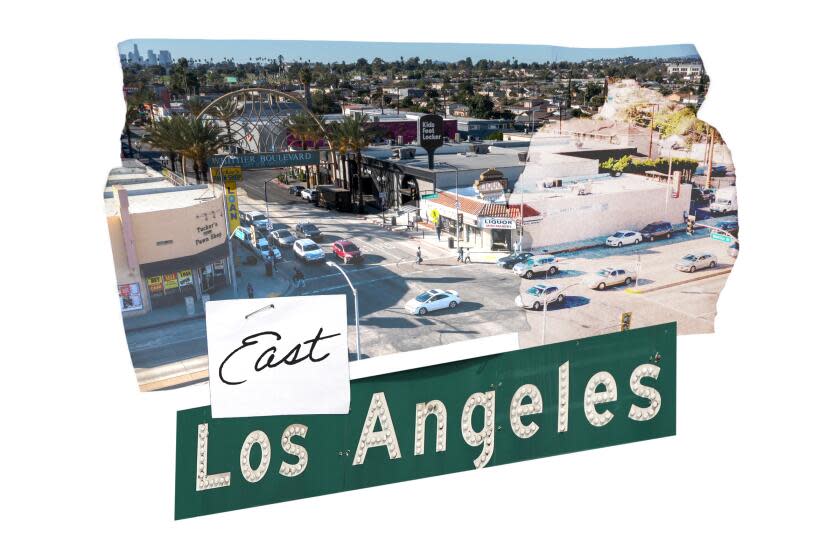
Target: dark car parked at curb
{"points": [[512, 259], [656, 230], [295, 190]]}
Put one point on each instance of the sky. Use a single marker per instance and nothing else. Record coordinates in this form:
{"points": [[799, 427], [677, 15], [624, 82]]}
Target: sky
{"points": [[349, 51]]}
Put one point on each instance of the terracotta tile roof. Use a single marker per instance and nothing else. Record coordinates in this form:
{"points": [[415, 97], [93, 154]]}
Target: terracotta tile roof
{"points": [[470, 205]]}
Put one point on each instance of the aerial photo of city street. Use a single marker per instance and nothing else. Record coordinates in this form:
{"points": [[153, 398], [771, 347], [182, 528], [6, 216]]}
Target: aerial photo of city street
{"points": [[451, 194]]}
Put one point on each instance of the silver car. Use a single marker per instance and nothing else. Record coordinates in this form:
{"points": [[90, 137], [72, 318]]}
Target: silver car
{"points": [[696, 261], [607, 277], [537, 296]]}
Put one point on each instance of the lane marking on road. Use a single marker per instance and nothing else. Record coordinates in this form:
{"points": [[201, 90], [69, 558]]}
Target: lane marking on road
{"points": [[372, 280]]}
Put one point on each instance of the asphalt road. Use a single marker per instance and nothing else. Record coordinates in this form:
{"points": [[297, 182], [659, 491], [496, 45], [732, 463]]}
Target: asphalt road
{"points": [[389, 277]]}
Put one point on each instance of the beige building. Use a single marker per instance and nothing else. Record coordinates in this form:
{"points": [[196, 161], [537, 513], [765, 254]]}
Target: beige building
{"points": [[168, 242]]}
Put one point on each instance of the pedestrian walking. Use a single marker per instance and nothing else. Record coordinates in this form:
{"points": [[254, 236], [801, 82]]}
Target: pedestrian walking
{"points": [[460, 254], [250, 291], [467, 258], [419, 258], [438, 227], [298, 279], [275, 262]]}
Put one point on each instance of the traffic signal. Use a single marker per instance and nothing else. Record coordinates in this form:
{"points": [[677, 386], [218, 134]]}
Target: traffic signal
{"points": [[460, 218], [689, 225], [625, 320]]}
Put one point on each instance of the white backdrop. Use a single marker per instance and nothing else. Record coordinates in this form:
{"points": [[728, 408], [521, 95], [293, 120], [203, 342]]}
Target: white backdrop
{"points": [[88, 463]]}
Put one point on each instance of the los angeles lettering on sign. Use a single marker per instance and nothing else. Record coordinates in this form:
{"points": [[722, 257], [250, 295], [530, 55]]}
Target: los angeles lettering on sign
{"points": [[486, 411]]}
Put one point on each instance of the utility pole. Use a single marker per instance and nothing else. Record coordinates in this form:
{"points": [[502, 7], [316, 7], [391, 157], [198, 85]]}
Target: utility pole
{"points": [[711, 159]]}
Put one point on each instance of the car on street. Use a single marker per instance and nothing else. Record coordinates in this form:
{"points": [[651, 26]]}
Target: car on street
{"points": [[538, 296], [258, 220], [624, 237], [511, 260], [656, 230], [296, 190], [264, 248], [309, 194], [729, 226], [696, 261], [308, 251], [733, 250], [717, 170], [282, 238], [607, 277], [308, 230], [244, 218], [549, 264], [432, 300], [346, 250], [701, 195]]}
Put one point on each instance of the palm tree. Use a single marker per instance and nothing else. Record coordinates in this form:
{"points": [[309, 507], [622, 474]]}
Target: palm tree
{"points": [[195, 106], [226, 110], [167, 137], [201, 139], [351, 135], [308, 130]]}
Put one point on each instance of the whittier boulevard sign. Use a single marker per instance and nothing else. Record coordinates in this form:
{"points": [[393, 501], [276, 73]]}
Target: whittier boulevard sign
{"points": [[532, 403]]}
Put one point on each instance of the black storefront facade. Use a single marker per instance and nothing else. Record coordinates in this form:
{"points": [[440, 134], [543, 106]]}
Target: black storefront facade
{"points": [[172, 281]]}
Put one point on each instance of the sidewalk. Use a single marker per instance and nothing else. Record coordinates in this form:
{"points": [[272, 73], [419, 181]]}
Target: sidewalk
{"points": [[264, 286]]}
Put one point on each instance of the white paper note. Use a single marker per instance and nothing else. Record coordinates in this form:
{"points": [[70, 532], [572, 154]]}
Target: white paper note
{"points": [[289, 356]]}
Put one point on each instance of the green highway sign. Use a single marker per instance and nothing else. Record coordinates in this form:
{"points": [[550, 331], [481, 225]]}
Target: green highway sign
{"points": [[481, 412], [721, 237], [428, 196]]}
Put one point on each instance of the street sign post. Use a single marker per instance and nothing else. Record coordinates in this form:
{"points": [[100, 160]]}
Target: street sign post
{"points": [[721, 237], [536, 402]]}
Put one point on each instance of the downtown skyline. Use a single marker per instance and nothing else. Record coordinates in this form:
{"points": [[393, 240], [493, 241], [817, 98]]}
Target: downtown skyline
{"points": [[349, 51]]}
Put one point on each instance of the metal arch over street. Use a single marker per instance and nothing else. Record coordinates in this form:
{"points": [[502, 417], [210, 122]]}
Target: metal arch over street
{"points": [[244, 93]]}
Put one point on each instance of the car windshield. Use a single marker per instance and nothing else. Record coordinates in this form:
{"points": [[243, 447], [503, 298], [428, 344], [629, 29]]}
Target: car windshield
{"points": [[534, 291], [309, 246], [618, 234], [424, 296], [530, 262], [257, 217], [283, 233], [603, 272], [309, 227], [350, 247], [690, 258]]}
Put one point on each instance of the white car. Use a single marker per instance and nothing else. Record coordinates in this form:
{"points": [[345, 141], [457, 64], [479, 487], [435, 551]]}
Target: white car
{"points": [[307, 194], [537, 296], [264, 248], [548, 263], [696, 261], [282, 238], [308, 251], [432, 300], [607, 277], [624, 237]]}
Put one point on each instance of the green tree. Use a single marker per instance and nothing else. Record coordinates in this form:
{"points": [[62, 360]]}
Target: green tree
{"points": [[350, 136]]}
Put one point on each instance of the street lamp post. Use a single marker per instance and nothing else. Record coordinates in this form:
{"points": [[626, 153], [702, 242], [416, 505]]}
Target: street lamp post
{"points": [[228, 233], [355, 308], [457, 207]]}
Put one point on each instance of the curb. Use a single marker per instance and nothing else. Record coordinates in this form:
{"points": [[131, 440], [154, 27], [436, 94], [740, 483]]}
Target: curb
{"points": [[678, 283], [163, 323]]}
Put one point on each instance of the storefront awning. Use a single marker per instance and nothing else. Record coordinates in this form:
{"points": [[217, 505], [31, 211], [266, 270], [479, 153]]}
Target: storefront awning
{"points": [[181, 263]]}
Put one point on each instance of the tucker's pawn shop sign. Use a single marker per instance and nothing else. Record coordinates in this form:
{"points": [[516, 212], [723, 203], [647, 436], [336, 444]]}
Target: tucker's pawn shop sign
{"points": [[430, 135], [475, 413]]}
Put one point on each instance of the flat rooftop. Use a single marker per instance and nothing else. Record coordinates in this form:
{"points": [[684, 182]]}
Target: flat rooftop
{"points": [[149, 191]]}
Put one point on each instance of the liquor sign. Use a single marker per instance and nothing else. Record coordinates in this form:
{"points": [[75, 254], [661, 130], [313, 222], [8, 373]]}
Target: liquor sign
{"points": [[497, 223], [267, 160], [227, 173], [492, 410], [430, 135]]}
